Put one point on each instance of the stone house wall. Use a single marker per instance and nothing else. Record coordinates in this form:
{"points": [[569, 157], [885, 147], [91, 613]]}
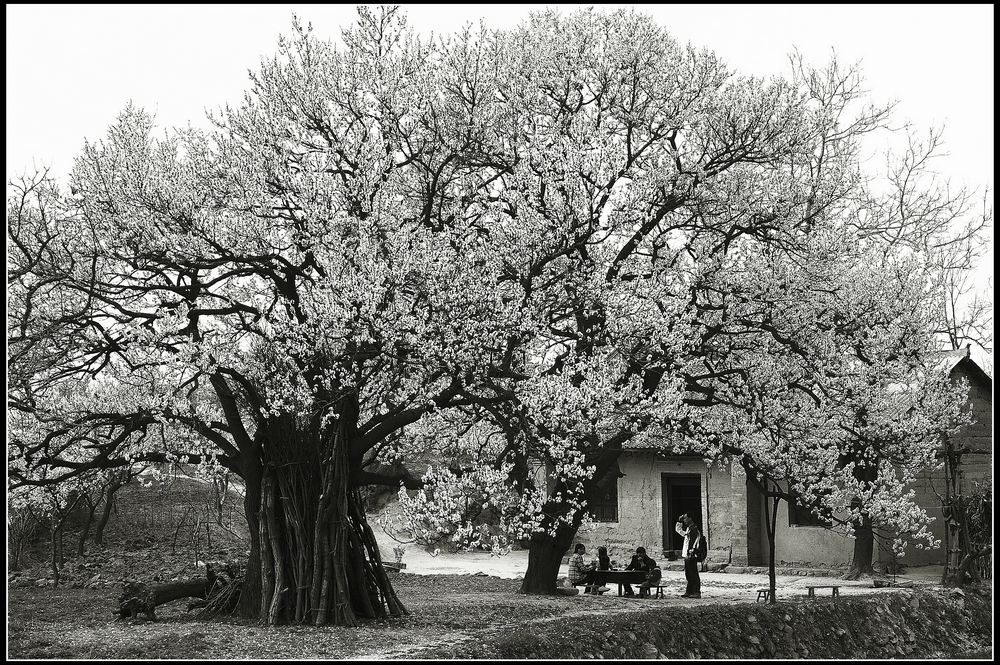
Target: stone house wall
{"points": [[976, 466], [640, 506], [737, 535]]}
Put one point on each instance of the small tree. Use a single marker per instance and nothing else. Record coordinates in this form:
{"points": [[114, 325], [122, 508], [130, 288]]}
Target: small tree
{"points": [[23, 524]]}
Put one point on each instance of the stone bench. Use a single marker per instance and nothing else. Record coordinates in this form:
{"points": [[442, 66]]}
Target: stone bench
{"points": [[812, 589]]}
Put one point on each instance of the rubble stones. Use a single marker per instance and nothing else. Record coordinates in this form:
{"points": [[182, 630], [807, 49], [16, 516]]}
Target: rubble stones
{"points": [[887, 625]]}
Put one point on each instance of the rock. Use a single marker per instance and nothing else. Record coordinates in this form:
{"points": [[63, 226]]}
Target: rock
{"points": [[649, 651], [94, 578], [754, 639]]}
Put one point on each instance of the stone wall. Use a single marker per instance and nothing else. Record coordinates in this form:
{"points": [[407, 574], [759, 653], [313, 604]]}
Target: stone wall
{"points": [[976, 466], [640, 507], [737, 535], [920, 624]]}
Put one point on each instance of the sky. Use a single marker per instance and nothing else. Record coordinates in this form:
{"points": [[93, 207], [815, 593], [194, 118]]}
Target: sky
{"points": [[72, 68]]}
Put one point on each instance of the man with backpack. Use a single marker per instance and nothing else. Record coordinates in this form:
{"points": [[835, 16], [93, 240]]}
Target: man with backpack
{"points": [[694, 551]]}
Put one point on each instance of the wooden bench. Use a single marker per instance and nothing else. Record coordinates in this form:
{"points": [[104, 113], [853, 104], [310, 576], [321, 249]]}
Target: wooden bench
{"points": [[763, 595], [584, 585], [812, 589], [660, 587]]}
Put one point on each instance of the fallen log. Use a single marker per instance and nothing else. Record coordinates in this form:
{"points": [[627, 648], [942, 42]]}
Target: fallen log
{"points": [[140, 598]]}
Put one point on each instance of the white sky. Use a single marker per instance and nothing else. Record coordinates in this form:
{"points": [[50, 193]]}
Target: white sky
{"points": [[71, 68]]}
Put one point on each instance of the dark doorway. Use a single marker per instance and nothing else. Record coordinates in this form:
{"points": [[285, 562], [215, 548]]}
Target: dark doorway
{"points": [[681, 494]]}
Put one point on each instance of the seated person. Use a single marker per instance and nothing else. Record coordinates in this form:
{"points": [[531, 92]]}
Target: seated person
{"points": [[639, 562], [584, 573], [652, 580], [603, 563], [603, 560], [580, 572]]}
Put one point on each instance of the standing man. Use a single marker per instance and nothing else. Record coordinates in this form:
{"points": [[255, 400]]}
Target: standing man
{"points": [[692, 537]]}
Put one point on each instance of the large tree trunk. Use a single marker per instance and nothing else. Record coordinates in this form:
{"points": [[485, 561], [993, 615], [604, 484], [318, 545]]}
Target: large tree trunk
{"points": [[250, 593], [545, 555], [313, 557], [864, 542], [771, 526], [545, 552]]}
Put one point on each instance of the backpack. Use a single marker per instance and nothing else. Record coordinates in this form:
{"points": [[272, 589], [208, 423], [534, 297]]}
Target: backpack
{"points": [[701, 548]]}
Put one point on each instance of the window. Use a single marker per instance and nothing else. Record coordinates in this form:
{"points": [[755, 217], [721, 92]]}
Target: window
{"points": [[604, 507], [799, 515]]}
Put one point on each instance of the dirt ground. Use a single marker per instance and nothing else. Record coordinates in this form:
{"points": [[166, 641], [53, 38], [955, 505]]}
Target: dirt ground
{"points": [[451, 598], [444, 609]]}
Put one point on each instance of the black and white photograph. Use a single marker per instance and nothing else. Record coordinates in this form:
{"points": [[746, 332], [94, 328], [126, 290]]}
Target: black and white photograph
{"points": [[495, 332]]}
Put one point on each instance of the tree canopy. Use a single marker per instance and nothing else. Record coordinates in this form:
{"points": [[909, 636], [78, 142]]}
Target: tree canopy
{"points": [[534, 246]]}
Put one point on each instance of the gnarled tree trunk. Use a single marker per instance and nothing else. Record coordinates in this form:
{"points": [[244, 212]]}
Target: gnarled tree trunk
{"points": [[864, 545], [313, 556], [545, 555], [138, 598], [545, 552]]}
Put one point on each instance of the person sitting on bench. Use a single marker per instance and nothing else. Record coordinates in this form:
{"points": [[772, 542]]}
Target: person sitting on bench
{"points": [[639, 562], [603, 563], [652, 581], [585, 573], [580, 572]]}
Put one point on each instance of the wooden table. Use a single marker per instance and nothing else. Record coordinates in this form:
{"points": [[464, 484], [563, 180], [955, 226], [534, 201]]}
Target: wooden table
{"points": [[621, 577]]}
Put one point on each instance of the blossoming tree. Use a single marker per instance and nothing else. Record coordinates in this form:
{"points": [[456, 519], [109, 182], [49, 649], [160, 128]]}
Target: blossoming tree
{"points": [[280, 297], [709, 266]]}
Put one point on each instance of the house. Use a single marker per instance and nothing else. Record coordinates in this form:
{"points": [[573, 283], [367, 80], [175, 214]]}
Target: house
{"points": [[654, 488]]}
